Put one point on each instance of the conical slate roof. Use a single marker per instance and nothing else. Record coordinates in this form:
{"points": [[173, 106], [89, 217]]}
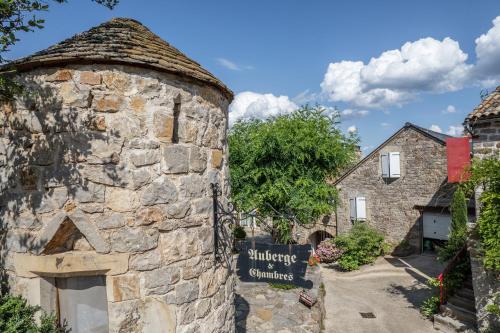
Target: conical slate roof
{"points": [[121, 41], [489, 107]]}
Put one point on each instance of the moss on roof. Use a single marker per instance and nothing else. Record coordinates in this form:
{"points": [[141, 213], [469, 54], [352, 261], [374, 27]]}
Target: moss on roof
{"points": [[121, 41]]}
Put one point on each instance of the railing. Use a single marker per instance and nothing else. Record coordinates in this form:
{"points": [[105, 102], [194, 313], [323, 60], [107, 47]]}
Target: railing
{"points": [[443, 285]]}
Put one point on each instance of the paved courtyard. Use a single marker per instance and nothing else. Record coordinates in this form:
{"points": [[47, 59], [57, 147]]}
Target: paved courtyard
{"points": [[392, 289]]}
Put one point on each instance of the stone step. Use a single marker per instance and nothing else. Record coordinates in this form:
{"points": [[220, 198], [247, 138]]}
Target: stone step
{"points": [[468, 283], [461, 314], [462, 302], [451, 325], [465, 293]]}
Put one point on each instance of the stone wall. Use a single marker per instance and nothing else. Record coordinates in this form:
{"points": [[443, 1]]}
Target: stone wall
{"points": [[486, 138], [306, 234], [485, 284], [485, 144], [391, 205], [261, 308], [93, 182]]}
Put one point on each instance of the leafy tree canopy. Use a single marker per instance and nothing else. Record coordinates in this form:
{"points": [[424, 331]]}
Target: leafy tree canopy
{"points": [[20, 16], [286, 162]]}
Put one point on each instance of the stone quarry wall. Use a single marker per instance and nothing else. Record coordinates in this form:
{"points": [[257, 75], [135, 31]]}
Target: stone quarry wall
{"points": [[390, 205], [93, 184]]}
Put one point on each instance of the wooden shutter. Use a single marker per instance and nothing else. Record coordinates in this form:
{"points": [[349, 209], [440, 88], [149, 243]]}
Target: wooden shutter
{"points": [[384, 158], [394, 165], [360, 208], [352, 205]]}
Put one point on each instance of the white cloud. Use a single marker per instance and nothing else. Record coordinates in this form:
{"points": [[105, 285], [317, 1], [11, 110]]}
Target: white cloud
{"points": [[457, 130], [248, 105], [436, 128], [231, 65], [385, 124], [488, 53], [397, 76], [305, 97], [352, 129], [228, 64], [351, 114], [453, 130], [450, 109]]}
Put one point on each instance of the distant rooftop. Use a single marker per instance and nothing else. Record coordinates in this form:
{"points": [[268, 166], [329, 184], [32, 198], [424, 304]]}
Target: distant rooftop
{"points": [[439, 136], [121, 41]]}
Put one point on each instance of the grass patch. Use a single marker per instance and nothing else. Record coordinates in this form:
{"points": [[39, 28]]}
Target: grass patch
{"points": [[282, 286]]}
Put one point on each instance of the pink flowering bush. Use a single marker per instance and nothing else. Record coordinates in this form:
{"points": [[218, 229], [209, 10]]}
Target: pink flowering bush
{"points": [[328, 252]]}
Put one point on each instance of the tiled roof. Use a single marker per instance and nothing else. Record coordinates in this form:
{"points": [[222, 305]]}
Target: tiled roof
{"points": [[436, 135], [489, 107], [121, 41]]}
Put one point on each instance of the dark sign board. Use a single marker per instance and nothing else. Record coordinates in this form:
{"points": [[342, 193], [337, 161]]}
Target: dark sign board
{"points": [[285, 264]]}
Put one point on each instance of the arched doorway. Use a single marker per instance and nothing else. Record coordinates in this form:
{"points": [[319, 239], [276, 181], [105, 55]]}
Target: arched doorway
{"points": [[317, 237]]}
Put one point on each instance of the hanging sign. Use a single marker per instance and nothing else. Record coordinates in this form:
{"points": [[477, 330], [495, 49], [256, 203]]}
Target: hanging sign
{"points": [[285, 264]]}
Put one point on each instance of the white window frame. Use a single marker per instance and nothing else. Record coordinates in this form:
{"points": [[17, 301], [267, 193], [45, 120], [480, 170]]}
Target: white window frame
{"points": [[391, 165], [357, 208]]}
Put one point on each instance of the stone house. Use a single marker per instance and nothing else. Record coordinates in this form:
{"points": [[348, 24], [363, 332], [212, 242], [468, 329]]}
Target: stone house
{"points": [[400, 188], [105, 166], [483, 125]]}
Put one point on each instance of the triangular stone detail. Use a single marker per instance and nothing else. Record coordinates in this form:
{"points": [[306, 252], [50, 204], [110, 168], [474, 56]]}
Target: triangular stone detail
{"points": [[70, 231], [67, 238]]}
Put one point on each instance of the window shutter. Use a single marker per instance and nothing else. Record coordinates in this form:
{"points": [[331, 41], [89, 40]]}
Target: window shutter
{"points": [[360, 208], [394, 167], [352, 204], [385, 165]]}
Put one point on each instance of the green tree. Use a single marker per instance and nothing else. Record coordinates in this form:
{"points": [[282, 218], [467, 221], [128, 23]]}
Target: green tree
{"points": [[286, 162], [20, 16], [458, 232]]}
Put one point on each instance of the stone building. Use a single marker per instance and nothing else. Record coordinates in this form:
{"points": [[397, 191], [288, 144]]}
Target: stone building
{"points": [[400, 188], [483, 124], [106, 163]]}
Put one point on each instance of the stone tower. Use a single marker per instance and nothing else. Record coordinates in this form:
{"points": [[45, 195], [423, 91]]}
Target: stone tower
{"points": [[106, 162]]}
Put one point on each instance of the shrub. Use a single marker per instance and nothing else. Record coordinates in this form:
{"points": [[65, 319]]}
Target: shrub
{"points": [[328, 252], [458, 233], [430, 306], [239, 232], [362, 245], [486, 173], [17, 316]]}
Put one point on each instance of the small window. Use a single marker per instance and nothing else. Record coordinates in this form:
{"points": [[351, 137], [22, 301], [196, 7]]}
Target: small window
{"points": [[177, 111], [390, 165], [358, 208]]}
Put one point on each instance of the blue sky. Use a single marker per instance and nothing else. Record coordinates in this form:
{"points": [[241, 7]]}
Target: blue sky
{"points": [[266, 49]]}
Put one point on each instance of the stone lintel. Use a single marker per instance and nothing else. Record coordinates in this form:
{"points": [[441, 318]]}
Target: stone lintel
{"points": [[70, 264]]}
